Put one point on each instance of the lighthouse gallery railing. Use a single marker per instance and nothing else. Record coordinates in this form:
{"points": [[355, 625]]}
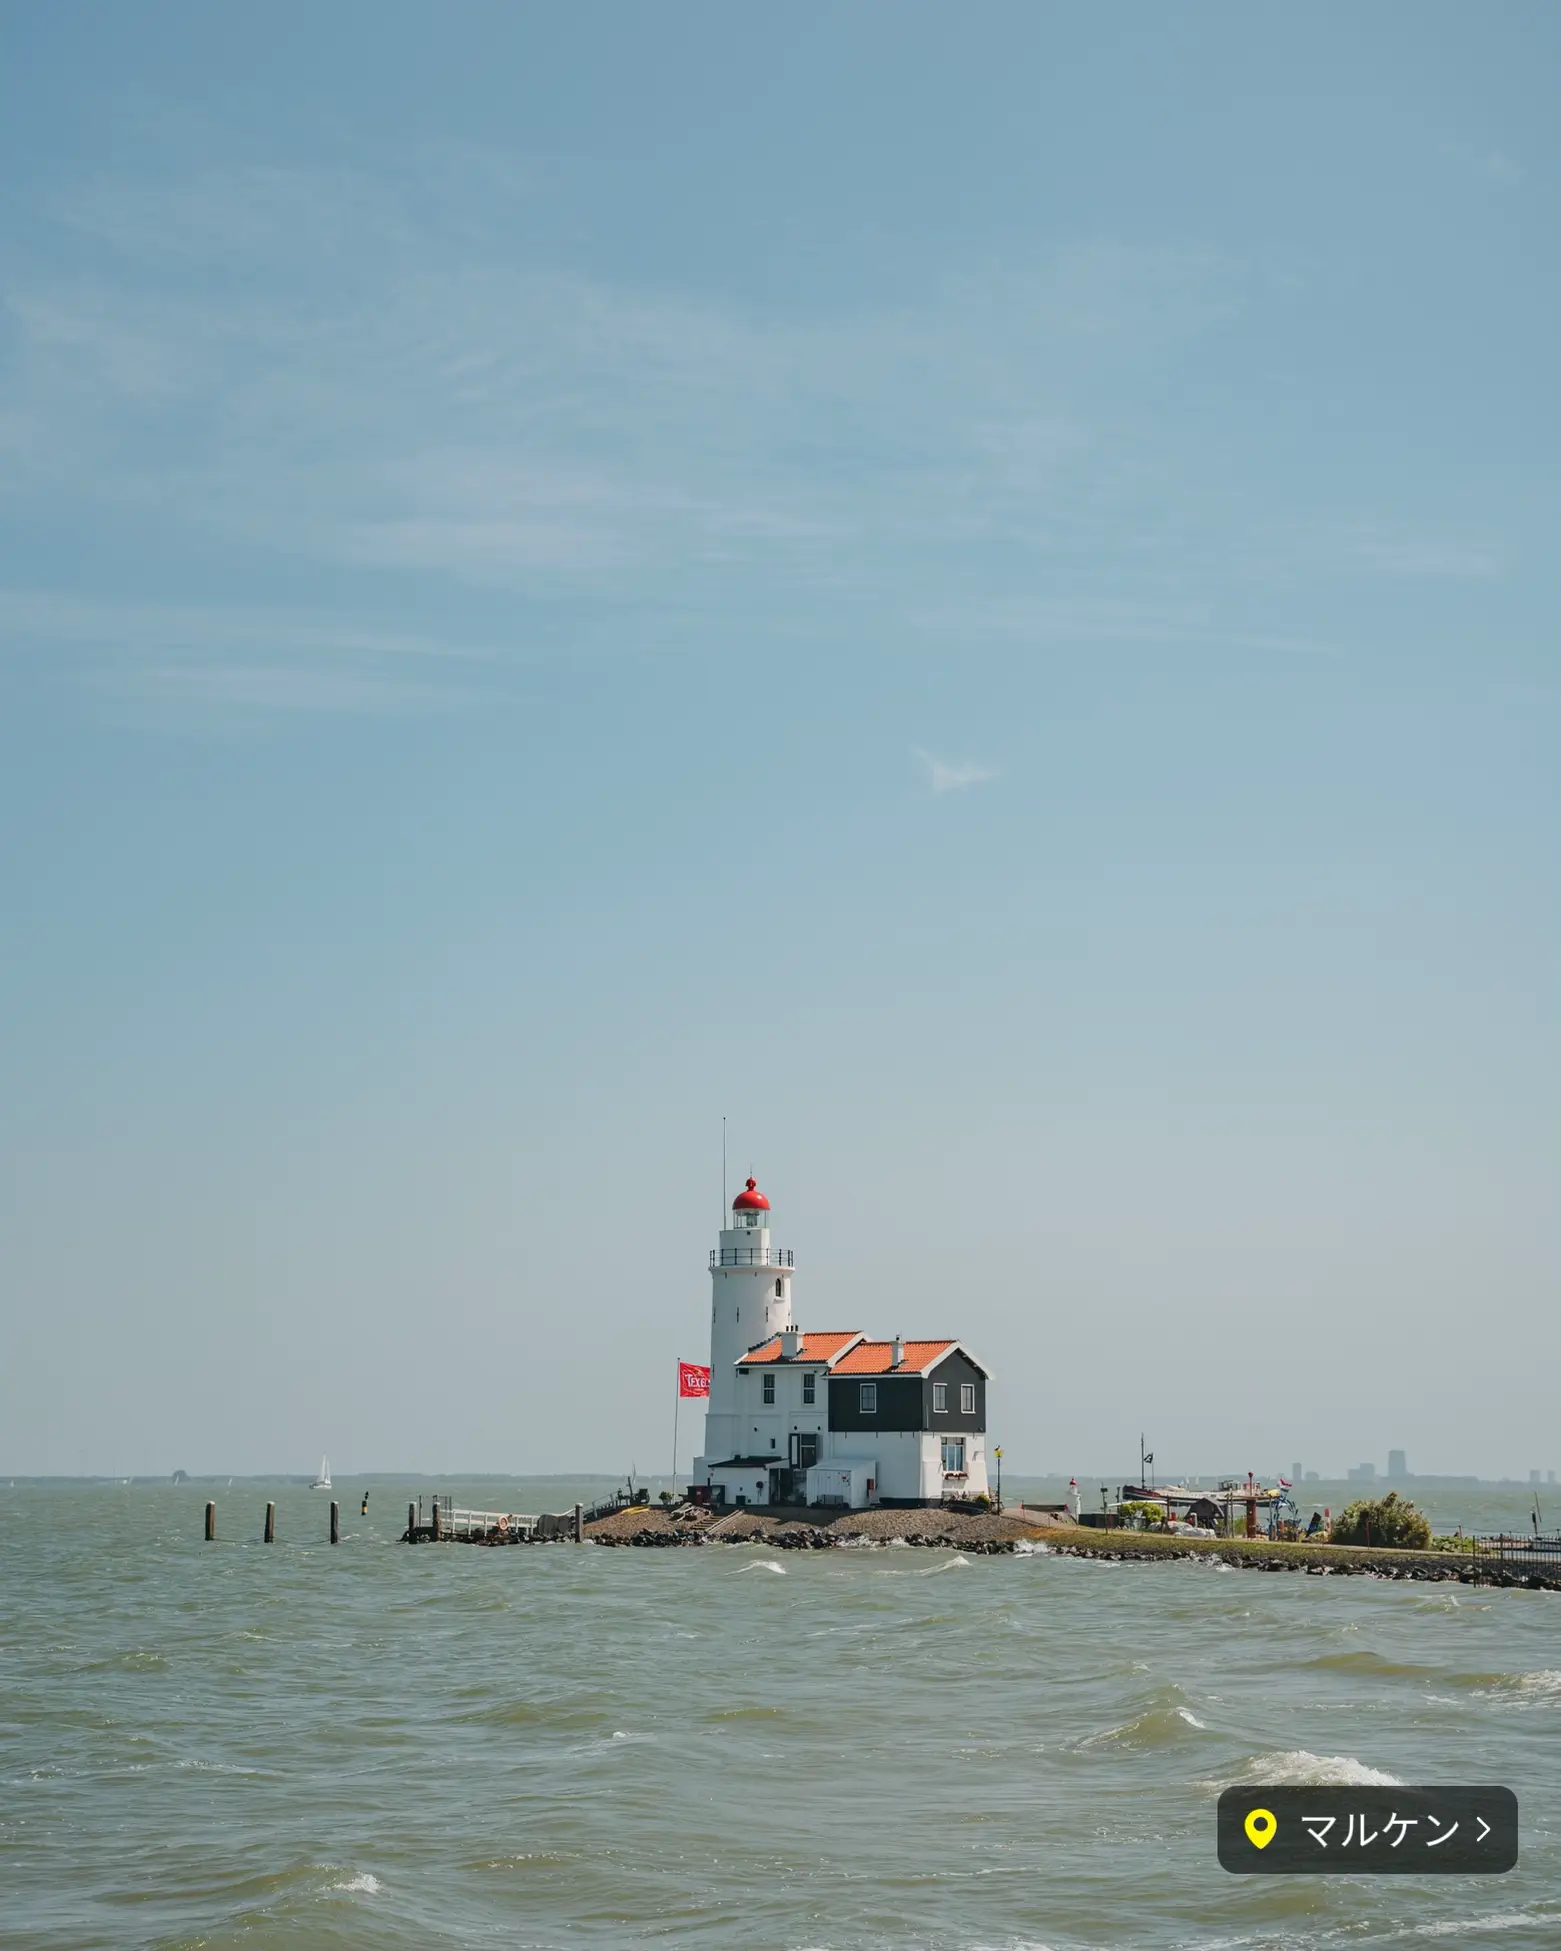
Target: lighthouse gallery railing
{"points": [[750, 1256]]}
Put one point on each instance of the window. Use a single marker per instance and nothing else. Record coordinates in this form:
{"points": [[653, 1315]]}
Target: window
{"points": [[953, 1456], [967, 1401], [940, 1398], [769, 1388], [777, 1290], [810, 1389], [867, 1398]]}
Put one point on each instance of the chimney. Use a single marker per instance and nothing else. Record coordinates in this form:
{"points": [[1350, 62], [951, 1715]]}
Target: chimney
{"points": [[791, 1344], [899, 1352]]}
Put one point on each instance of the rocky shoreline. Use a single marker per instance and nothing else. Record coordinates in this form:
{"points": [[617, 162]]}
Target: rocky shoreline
{"points": [[1315, 1560], [998, 1533]]}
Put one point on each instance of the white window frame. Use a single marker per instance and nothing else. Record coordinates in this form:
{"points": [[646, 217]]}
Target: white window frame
{"points": [[956, 1446], [967, 1398], [767, 1391], [940, 1398], [809, 1390], [867, 1398]]}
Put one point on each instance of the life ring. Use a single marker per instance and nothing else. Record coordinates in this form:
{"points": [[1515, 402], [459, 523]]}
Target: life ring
{"points": [[503, 1527]]}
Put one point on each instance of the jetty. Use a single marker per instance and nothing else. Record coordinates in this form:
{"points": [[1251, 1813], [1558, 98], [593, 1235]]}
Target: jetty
{"points": [[447, 1522]]}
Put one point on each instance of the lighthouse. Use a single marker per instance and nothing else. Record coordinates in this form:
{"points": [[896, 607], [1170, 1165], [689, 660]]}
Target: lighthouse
{"points": [[750, 1300], [831, 1416]]}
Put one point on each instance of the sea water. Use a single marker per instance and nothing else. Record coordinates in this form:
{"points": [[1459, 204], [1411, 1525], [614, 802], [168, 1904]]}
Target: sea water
{"points": [[230, 1744]]}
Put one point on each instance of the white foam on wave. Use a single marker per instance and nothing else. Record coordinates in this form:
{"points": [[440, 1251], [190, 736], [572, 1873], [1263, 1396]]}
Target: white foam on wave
{"points": [[1528, 1689], [1025, 1548], [764, 1565], [363, 1882], [947, 1565], [1299, 1768], [1501, 1920]]}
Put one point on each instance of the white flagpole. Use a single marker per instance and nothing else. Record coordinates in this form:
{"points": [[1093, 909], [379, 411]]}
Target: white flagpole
{"points": [[677, 1404]]}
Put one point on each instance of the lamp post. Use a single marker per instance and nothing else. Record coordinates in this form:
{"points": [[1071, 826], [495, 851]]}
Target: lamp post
{"points": [[998, 1453]]}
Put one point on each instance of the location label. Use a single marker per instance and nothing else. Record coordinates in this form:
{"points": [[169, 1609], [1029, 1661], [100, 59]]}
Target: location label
{"points": [[1379, 1829]]}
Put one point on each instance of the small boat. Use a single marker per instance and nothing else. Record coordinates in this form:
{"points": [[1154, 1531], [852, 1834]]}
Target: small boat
{"points": [[323, 1481]]}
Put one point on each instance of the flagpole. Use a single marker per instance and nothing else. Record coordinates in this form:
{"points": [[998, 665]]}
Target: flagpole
{"points": [[677, 1404]]}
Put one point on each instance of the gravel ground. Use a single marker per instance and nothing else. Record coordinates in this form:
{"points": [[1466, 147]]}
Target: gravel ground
{"points": [[800, 1527]]}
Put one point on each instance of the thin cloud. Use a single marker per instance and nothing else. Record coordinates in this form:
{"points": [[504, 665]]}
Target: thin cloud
{"points": [[1494, 165], [945, 776]]}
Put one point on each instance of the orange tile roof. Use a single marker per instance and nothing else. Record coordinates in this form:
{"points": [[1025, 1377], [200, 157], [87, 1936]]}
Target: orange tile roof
{"points": [[877, 1358], [815, 1347]]}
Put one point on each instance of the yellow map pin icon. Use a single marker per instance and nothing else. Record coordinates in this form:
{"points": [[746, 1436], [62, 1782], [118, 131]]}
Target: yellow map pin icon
{"points": [[1260, 1827]]}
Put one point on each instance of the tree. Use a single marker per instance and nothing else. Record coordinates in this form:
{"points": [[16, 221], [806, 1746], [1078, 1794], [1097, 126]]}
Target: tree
{"points": [[1391, 1521]]}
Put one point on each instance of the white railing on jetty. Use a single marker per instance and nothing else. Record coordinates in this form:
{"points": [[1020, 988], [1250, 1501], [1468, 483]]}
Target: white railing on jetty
{"points": [[457, 1523]]}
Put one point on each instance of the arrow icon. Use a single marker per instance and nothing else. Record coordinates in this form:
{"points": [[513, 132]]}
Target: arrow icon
{"points": [[1485, 1829]]}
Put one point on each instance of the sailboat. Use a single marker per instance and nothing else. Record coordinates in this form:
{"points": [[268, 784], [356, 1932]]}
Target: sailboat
{"points": [[323, 1481]]}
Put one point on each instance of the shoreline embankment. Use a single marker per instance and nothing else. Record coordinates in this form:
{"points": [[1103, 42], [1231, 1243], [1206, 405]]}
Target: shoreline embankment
{"points": [[995, 1532]]}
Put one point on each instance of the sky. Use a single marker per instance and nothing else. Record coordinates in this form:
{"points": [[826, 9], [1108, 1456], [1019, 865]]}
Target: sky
{"points": [[973, 591]]}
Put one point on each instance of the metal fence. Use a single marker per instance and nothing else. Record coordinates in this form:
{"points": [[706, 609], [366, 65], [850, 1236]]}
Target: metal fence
{"points": [[1516, 1557]]}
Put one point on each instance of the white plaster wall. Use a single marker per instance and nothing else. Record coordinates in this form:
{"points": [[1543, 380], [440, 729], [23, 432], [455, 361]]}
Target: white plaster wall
{"points": [[898, 1454], [756, 1428]]}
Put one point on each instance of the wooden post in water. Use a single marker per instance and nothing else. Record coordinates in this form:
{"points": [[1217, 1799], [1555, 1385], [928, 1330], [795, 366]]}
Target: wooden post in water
{"points": [[436, 1519], [270, 1523], [211, 1521], [579, 1524], [335, 1522], [411, 1524]]}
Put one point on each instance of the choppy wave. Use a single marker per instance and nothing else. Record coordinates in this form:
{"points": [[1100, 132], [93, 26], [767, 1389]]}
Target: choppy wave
{"points": [[1167, 1722], [364, 1881], [1299, 1768], [1501, 1920], [1372, 1665], [1538, 1689]]}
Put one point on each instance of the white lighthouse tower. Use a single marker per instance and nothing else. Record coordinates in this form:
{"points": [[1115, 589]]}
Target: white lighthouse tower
{"points": [[750, 1300]]}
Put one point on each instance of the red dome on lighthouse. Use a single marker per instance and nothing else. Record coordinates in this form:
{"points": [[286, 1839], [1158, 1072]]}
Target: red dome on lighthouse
{"points": [[751, 1199]]}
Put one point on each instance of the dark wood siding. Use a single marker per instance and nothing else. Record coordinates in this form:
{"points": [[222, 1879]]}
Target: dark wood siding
{"points": [[899, 1402], [955, 1369], [905, 1401]]}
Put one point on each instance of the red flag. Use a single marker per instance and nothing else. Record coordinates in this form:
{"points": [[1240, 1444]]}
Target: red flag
{"points": [[693, 1380]]}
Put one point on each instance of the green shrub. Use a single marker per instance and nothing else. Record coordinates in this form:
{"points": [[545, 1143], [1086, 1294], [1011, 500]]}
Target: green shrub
{"points": [[1141, 1515], [1391, 1521]]}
